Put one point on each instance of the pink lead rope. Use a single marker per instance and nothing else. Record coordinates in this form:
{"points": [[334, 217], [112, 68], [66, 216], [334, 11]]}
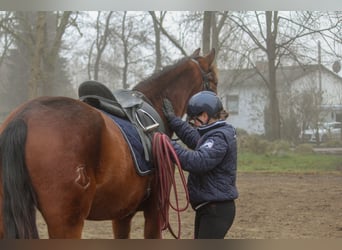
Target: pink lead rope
{"points": [[165, 159]]}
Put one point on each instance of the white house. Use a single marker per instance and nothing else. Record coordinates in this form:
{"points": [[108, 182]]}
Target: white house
{"points": [[244, 94]]}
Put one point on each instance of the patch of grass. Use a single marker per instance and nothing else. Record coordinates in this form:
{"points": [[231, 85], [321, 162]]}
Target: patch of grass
{"points": [[291, 162]]}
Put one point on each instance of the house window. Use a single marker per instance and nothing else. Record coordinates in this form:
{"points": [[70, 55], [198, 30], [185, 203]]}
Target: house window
{"points": [[233, 104]]}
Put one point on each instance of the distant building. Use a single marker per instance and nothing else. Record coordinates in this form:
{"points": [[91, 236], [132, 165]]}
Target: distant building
{"points": [[244, 94]]}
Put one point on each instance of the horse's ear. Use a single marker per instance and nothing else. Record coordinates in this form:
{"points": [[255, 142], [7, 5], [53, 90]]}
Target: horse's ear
{"points": [[211, 56], [196, 53]]}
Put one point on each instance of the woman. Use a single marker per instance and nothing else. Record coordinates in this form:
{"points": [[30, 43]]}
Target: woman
{"points": [[211, 161]]}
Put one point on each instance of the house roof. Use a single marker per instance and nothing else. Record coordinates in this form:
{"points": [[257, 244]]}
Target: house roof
{"points": [[253, 76]]}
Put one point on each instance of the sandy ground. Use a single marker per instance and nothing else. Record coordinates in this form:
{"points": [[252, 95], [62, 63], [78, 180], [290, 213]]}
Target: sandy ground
{"points": [[270, 206]]}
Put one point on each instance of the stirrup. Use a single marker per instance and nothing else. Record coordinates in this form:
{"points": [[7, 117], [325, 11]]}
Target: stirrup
{"points": [[148, 128]]}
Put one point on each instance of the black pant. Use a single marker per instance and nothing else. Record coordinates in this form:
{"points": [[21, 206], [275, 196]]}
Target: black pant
{"points": [[212, 221]]}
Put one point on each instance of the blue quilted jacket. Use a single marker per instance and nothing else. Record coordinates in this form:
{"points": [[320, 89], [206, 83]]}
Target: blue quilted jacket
{"points": [[211, 160]]}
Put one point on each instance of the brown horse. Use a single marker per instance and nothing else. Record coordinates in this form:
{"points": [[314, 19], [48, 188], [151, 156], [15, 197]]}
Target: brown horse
{"points": [[71, 162]]}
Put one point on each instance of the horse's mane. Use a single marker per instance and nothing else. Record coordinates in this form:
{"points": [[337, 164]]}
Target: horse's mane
{"points": [[161, 73]]}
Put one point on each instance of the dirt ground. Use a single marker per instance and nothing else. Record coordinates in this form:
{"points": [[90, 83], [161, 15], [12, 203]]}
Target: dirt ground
{"points": [[270, 206]]}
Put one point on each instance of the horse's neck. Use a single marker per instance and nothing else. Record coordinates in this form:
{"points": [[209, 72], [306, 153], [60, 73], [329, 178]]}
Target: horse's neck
{"points": [[174, 86]]}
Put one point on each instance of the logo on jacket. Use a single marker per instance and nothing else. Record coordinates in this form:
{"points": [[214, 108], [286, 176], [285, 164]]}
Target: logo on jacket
{"points": [[208, 144]]}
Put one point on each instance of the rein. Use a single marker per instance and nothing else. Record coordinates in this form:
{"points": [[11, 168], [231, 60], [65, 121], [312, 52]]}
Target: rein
{"points": [[166, 158]]}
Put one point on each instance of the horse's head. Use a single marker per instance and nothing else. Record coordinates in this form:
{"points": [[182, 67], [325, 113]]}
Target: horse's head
{"points": [[207, 69], [199, 74]]}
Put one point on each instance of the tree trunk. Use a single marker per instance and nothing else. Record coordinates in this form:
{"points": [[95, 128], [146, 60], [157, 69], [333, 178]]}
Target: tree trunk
{"points": [[36, 76], [157, 32], [50, 57], [272, 86], [206, 34], [101, 43], [214, 33], [126, 53], [125, 68]]}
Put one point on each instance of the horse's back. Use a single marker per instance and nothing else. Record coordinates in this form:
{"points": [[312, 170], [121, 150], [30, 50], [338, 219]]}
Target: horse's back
{"points": [[44, 108]]}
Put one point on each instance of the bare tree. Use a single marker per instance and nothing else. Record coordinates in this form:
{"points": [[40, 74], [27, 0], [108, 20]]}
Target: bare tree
{"points": [[6, 42], [100, 42], [275, 36], [156, 23], [42, 43], [307, 107], [38, 51], [131, 38], [5, 38], [208, 17], [213, 24]]}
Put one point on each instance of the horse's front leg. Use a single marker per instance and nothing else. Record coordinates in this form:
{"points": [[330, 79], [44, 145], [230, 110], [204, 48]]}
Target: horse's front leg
{"points": [[122, 227], [1, 225], [152, 229], [152, 215]]}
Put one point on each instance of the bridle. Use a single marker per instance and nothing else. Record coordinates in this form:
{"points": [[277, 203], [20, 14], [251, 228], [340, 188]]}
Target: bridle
{"points": [[205, 76]]}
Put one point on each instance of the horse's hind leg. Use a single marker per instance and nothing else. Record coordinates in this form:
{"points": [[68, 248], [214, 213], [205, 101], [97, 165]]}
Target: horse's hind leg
{"points": [[67, 231], [65, 221], [122, 227], [65, 217], [65, 205]]}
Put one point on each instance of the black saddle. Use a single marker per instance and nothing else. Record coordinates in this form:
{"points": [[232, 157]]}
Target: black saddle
{"points": [[128, 104]]}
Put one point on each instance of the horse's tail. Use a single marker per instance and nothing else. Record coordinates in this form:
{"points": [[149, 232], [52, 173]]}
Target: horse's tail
{"points": [[19, 198]]}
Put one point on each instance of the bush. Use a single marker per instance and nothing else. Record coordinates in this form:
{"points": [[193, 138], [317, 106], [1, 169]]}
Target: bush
{"points": [[253, 144], [304, 149], [333, 143], [241, 132], [242, 138], [279, 148]]}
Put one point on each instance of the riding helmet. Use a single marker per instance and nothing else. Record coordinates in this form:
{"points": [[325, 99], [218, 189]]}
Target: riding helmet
{"points": [[204, 101]]}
